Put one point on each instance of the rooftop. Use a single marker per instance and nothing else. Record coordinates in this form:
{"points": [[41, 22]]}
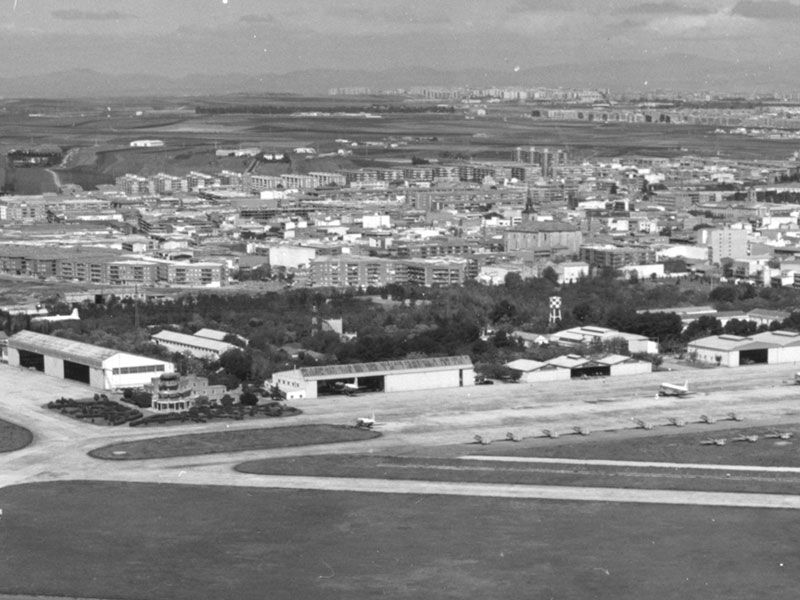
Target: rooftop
{"points": [[416, 364]]}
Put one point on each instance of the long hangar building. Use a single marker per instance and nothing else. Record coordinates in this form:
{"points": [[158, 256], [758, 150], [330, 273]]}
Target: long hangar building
{"points": [[96, 366], [768, 347], [387, 376]]}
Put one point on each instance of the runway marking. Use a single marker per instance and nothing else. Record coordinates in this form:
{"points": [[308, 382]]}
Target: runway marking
{"points": [[629, 463]]}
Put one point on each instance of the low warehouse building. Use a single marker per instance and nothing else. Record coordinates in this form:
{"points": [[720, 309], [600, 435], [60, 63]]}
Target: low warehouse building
{"points": [[386, 376], [96, 366], [573, 366], [200, 347]]}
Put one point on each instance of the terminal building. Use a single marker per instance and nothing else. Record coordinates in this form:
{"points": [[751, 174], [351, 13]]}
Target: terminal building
{"points": [[387, 376], [103, 368]]}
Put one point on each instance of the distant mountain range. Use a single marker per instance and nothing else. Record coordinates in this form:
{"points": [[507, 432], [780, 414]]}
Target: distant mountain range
{"points": [[676, 71]]}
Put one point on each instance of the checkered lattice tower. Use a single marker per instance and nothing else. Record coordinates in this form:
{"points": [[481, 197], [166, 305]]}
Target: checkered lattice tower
{"points": [[555, 310]]}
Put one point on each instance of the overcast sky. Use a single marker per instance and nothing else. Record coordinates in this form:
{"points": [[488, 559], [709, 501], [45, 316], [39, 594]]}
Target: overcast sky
{"points": [[175, 37]]}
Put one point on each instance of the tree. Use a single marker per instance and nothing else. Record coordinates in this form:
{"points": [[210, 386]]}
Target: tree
{"points": [[723, 293], [513, 280], [248, 398], [705, 326], [550, 274], [237, 363]]}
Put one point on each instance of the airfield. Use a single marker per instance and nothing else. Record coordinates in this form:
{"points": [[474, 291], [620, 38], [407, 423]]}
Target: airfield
{"points": [[421, 511]]}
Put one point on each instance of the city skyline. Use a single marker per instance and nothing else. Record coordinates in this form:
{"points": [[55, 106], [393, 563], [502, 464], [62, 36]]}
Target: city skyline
{"points": [[179, 37]]}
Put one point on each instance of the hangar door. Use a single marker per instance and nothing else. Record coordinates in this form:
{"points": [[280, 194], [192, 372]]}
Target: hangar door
{"points": [[590, 370], [76, 371], [754, 357], [28, 360]]}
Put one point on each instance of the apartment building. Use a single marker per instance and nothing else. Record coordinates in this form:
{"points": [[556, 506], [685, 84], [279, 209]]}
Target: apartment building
{"points": [[544, 238], [616, 257]]}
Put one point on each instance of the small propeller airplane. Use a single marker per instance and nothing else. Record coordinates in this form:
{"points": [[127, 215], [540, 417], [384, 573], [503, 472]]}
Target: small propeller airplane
{"points": [[366, 422], [714, 442], [673, 389]]}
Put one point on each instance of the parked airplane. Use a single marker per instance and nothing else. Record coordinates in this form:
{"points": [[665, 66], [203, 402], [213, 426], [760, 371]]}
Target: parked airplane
{"points": [[673, 389], [73, 316], [348, 389], [366, 422]]}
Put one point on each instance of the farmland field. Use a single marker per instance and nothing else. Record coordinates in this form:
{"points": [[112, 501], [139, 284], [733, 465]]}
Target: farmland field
{"points": [[190, 138]]}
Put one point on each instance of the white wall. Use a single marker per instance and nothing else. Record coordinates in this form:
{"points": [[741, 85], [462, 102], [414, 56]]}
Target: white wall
{"points": [[545, 375], [633, 368], [403, 382]]}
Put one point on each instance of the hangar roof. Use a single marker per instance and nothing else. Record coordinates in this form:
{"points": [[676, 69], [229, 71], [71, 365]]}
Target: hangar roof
{"points": [[374, 368], [80, 352], [779, 338], [192, 340], [525, 365], [732, 343]]}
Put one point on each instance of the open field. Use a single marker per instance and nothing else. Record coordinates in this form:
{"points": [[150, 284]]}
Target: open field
{"points": [[13, 437], [100, 540], [195, 444]]}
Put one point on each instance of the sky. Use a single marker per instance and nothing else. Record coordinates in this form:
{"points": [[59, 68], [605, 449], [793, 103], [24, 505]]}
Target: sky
{"points": [[178, 37]]}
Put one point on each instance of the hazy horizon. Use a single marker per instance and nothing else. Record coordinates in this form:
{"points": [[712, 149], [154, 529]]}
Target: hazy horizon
{"points": [[176, 37]]}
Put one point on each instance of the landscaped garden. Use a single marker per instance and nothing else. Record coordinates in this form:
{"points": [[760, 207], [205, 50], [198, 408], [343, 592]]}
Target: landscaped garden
{"points": [[13, 437]]}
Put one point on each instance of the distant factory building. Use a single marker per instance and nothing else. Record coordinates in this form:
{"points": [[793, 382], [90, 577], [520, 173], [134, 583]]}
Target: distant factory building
{"points": [[387, 376], [99, 367]]}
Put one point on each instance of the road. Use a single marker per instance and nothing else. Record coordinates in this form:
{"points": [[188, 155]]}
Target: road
{"points": [[413, 423]]}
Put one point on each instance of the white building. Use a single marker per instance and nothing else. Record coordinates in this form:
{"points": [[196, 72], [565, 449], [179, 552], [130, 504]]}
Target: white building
{"points": [[147, 143], [388, 376], [199, 347], [99, 367], [769, 347]]}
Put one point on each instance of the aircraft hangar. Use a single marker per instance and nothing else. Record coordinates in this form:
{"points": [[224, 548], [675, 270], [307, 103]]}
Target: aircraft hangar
{"points": [[96, 366], [385, 376], [768, 347]]}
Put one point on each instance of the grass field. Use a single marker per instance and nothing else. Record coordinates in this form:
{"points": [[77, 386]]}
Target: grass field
{"points": [[13, 437], [665, 445], [467, 471], [195, 444], [135, 541]]}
